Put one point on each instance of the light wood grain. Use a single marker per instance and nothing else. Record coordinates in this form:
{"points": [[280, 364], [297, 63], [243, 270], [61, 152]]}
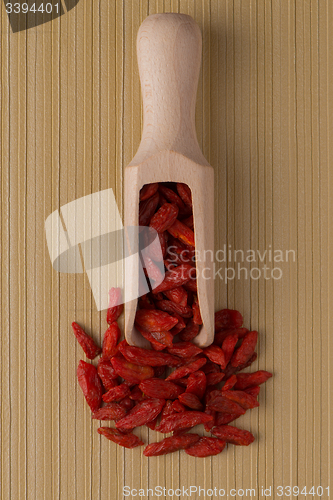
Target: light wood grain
{"points": [[71, 119], [169, 55]]}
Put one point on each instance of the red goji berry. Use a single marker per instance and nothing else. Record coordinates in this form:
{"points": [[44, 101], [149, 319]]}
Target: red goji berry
{"points": [[116, 393], [170, 444], [196, 312], [131, 372], [215, 354], [184, 349], [185, 193], [182, 232], [206, 447], [148, 190], [141, 414], [245, 380], [164, 217], [177, 277], [233, 435], [178, 406], [228, 318], [140, 356], [246, 349], [113, 411], [158, 346], [189, 332], [190, 400], [228, 346], [127, 440], [222, 404], [115, 306], [229, 383], [214, 378], [245, 400], [147, 209], [189, 222], [171, 196], [172, 307], [158, 388], [177, 295], [91, 350], [106, 373], [155, 321], [197, 383], [184, 420], [226, 418], [191, 367], [254, 391], [110, 341], [224, 333], [90, 384]]}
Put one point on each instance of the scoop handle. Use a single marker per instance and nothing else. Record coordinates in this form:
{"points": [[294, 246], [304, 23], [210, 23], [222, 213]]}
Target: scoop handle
{"points": [[169, 57]]}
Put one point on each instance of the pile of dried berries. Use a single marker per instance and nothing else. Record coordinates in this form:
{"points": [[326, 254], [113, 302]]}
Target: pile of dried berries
{"points": [[130, 387], [167, 209]]}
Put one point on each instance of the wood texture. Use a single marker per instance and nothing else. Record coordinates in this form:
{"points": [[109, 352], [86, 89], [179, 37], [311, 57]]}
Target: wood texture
{"points": [[169, 50], [70, 121]]}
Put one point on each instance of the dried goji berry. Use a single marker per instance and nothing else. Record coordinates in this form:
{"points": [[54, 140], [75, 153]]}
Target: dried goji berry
{"points": [[190, 400], [184, 349], [215, 354], [197, 383], [178, 406], [178, 276], [164, 217], [158, 388], [152, 271], [115, 306], [224, 333], [127, 440], [206, 447], [211, 367], [189, 332], [147, 209], [196, 312], [126, 403], [113, 411], [91, 350], [214, 378], [137, 394], [189, 222], [177, 295], [131, 372], [245, 380], [182, 232], [233, 435], [223, 404], [228, 318], [225, 418], [172, 307], [180, 325], [148, 190], [229, 383], [90, 384], [171, 196], [188, 368], [184, 420], [140, 356], [254, 391], [228, 346], [110, 340], [170, 444], [245, 400], [246, 349], [106, 373], [208, 425], [141, 414], [185, 193], [155, 321], [158, 346], [146, 303], [116, 393]]}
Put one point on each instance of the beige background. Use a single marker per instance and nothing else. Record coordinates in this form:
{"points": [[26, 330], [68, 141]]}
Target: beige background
{"points": [[70, 121]]}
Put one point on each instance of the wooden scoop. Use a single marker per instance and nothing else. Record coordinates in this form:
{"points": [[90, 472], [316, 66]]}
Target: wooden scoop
{"points": [[169, 56]]}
